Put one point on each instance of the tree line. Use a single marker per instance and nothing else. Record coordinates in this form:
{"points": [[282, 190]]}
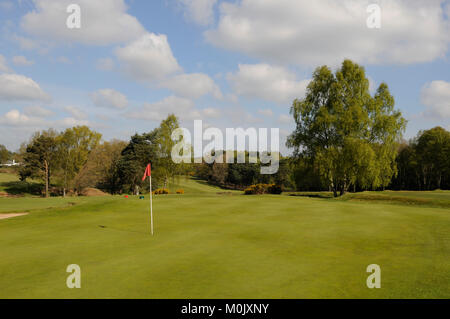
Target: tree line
{"points": [[75, 159], [345, 139]]}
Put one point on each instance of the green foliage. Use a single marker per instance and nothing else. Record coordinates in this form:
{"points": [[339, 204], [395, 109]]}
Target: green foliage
{"points": [[141, 150], [239, 175], [5, 155], [73, 147], [259, 189], [101, 169], [306, 176], [166, 169], [155, 148], [349, 135], [41, 158], [424, 163]]}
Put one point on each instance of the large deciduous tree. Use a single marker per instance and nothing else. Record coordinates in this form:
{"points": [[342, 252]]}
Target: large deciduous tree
{"points": [[4, 154], [134, 157], [40, 158], [424, 163], [101, 169], [350, 135], [433, 156], [166, 168], [73, 147]]}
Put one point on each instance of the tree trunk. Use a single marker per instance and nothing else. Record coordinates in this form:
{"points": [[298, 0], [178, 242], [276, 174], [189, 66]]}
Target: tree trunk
{"points": [[65, 183], [335, 193], [46, 178]]}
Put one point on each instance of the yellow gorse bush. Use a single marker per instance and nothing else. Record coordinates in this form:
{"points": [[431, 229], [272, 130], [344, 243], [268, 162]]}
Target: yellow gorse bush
{"points": [[259, 189], [161, 191]]}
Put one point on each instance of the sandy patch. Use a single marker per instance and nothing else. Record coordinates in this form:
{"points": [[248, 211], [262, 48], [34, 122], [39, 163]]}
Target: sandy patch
{"points": [[92, 192], [3, 194], [5, 216]]}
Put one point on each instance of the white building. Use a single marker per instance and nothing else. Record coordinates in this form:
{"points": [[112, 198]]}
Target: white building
{"points": [[10, 164]]}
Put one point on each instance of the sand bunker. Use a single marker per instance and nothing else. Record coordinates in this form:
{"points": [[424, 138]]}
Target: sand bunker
{"points": [[5, 216], [92, 192]]}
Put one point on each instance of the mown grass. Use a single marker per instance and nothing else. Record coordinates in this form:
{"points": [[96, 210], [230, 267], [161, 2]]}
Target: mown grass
{"points": [[208, 245]]}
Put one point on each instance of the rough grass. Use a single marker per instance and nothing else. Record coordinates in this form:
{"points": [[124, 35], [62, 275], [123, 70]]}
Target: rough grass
{"points": [[10, 184], [212, 246], [430, 198]]}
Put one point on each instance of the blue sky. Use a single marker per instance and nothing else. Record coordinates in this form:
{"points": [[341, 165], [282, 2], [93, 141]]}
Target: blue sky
{"points": [[229, 63]]}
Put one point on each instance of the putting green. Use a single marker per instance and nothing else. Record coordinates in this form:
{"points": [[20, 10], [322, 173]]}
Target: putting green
{"points": [[210, 245]]}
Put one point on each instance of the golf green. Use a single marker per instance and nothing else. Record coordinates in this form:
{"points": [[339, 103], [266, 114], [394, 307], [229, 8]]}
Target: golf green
{"points": [[214, 244]]}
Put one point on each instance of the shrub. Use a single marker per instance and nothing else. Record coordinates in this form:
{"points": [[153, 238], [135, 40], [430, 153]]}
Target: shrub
{"points": [[275, 189], [259, 189], [180, 191], [160, 191]]}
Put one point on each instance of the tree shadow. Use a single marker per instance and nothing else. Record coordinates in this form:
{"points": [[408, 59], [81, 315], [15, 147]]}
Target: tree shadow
{"points": [[22, 187], [313, 195]]}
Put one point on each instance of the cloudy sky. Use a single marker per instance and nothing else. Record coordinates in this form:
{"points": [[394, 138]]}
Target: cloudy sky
{"points": [[229, 63]]}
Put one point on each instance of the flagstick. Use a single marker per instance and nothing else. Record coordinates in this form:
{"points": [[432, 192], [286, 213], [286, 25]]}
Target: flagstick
{"points": [[151, 206]]}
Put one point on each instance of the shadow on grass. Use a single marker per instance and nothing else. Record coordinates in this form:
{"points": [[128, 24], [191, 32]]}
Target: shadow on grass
{"points": [[400, 200], [22, 188], [326, 195]]}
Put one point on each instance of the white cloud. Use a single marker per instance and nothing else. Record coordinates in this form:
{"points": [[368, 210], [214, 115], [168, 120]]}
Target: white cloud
{"points": [[19, 87], [21, 61], [285, 119], [109, 98], [102, 22], [37, 111], [211, 112], [266, 112], [267, 82], [199, 11], [312, 33], [185, 108], [192, 85], [105, 64], [436, 97], [148, 58], [3, 64], [30, 44], [76, 112], [70, 122], [15, 118]]}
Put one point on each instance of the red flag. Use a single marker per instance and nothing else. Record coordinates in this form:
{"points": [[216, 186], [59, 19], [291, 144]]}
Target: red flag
{"points": [[148, 172]]}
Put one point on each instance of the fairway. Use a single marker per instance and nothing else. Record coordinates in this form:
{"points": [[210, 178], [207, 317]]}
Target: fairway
{"points": [[211, 244]]}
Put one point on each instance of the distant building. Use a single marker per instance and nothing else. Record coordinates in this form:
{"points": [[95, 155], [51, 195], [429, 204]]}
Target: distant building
{"points": [[10, 164]]}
